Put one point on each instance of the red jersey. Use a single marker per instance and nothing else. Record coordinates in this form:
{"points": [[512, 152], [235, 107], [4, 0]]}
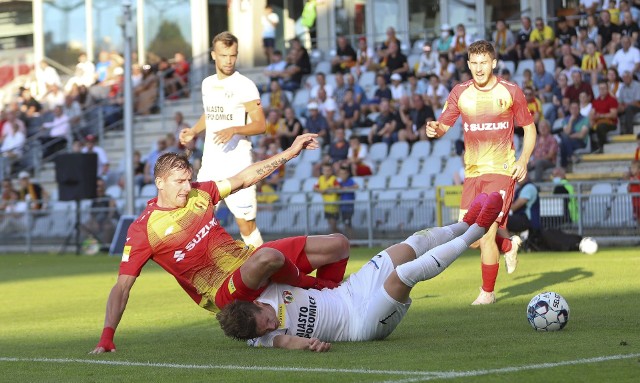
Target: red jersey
{"points": [[187, 242], [488, 120], [602, 105]]}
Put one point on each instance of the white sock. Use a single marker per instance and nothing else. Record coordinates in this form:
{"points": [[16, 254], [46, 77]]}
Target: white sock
{"points": [[254, 239], [430, 238], [437, 259]]}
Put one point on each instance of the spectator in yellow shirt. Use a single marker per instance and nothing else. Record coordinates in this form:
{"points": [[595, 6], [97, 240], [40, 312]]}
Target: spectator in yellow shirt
{"points": [[327, 186], [541, 41]]}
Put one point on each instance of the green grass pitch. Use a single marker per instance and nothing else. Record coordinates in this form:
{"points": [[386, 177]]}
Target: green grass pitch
{"points": [[52, 311]]}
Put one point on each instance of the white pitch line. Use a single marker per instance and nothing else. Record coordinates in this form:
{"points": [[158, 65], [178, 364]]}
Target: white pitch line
{"points": [[219, 367], [474, 373], [419, 376]]}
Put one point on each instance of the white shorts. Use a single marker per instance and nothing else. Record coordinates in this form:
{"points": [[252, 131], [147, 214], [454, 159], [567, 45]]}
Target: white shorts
{"points": [[375, 314], [243, 203]]}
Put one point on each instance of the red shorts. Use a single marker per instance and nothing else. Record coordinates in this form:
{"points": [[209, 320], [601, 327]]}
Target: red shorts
{"points": [[234, 289], [489, 183]]}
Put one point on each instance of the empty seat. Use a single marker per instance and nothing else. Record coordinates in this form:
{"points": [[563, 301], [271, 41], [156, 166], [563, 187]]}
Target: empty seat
{"points": [[399, 150], [420, 149], [524, 64], [377, 152], [421, 181], [441, 148], [324, 67], [399, 181], [410, 166], [303, 170], [377, 182], [388, 167], [290, 185], [309, 183], [149, 191]]}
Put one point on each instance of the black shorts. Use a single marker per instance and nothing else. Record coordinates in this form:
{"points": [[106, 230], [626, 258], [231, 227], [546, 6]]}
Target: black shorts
{"points": [[269, 42], [345, 217], [331, 215]]}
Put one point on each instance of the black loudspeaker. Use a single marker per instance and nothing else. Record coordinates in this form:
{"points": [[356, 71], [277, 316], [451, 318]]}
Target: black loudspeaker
{"points": [[76, 175]]}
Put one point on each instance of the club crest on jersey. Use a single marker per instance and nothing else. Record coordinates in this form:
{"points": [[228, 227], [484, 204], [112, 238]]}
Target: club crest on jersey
{"points": [[287, 297], [200, 205], [228, 94], [502, 103]]}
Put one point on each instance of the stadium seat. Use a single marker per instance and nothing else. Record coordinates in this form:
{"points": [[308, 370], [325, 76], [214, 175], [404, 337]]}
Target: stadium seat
{"points": [[621, 211], [290, 185], [324, 67], [549, 65], [399, 150], [452, 165], [522, 65], [308, 183], [441, 148], [361, 181], [311, 156], [387, 168], [413, 196], [410, 166], [114, 191], [148, 191], [510, 65], [303, 170], [598, 204], [377, 152], [377, 182], [330, 79], [300, 101], [412, 60], [399, 181], [264, 220], [367, 80], [420, 149], [443, 180], [421, 181], [431, 166], [417, 46]]}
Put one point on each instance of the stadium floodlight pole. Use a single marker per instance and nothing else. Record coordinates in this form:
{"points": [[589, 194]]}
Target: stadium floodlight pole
{"points": [[127, 30]]}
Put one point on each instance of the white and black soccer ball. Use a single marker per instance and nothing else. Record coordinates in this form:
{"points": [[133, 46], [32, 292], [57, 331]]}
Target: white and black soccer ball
{"points": [[588, 245], [548, 311]]}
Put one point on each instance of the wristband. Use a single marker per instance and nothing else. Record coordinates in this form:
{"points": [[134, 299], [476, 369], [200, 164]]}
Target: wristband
{"points": [[107, 335]]}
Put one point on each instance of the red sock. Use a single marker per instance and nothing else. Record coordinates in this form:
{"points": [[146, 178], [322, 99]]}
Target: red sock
{"points": [[290, 274], [504, 244], [489, 275], [334, 271]]}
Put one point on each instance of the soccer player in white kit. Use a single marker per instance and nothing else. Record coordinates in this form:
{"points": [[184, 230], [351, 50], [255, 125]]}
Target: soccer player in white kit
{"points": [[370, 303], [232, 113]]}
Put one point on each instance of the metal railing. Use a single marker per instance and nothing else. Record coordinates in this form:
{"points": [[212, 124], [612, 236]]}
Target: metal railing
{"points": [[374, 221]]}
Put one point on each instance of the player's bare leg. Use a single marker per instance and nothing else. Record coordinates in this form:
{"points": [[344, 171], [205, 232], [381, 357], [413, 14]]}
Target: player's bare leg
{"points": [[249, 232], [329, 255]]}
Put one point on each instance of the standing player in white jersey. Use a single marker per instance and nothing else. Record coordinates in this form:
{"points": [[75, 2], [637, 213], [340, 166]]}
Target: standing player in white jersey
{"points": [[370, 304], [232, 113]]}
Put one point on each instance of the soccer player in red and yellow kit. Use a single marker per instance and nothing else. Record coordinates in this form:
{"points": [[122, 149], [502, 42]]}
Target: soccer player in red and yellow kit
{"points": [[179, 231], [490, 108]]}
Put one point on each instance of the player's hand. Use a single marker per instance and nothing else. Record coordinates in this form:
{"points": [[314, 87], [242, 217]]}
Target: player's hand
{"points": [[519, 171], [186, 135], [102, 348], [317, 345], [223, 136], [305, 141], [433, 127]]}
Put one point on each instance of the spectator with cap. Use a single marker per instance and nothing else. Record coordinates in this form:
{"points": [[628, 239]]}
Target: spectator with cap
{"points": [[628, 102], [316, 123], [428, 62], [32, 192], [398, 90], [103, 161]]}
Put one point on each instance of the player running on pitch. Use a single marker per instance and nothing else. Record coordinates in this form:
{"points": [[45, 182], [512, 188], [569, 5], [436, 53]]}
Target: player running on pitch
{"points": [[491, 108], [370, 304], [228, 98]]}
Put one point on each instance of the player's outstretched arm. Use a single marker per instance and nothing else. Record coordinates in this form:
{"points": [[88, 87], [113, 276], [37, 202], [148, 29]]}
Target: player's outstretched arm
{"points": [[188, 134], [436, 129], [115, 308], [260, 170], [291, 342], [528, 144], [258, 124]]}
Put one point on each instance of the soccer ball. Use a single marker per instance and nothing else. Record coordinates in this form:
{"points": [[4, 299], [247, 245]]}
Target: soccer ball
{"points": [[548, 311], [588, 245]]}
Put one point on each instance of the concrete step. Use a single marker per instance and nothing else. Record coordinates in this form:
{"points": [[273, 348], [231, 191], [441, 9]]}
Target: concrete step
{"points": [[620, 147], [601, 167], [628, 156], [622, 138], [594, 176]]}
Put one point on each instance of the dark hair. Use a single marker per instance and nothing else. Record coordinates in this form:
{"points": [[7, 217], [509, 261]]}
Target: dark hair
{"points": [[238, 320], [171, 161]]}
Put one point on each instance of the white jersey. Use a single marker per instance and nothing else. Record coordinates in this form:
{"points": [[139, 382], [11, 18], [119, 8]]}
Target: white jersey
{"points": [[358, 310], [223, 102]]}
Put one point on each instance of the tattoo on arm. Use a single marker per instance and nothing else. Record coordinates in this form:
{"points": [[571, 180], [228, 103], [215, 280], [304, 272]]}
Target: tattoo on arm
{"points": [[273, 165]]}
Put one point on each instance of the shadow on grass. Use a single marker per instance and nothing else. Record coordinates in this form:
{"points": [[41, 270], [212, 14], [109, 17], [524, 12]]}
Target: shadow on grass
{"points": [[543, 281]]}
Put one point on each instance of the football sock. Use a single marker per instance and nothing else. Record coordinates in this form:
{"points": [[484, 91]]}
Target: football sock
{"points": [[254, 239], [437, 259], [289, 274], [427, 239], [334, 271], [504, 244], [489, 275]]}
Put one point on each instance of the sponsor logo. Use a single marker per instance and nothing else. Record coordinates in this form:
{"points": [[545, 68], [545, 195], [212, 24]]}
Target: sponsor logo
{"points": [[384, 321], [282, 311], [437, 263], [201, 234], [231, 286], [307, 319], [125, 253], [486, 126], [287, 297], [178, 255], [200, 205]]}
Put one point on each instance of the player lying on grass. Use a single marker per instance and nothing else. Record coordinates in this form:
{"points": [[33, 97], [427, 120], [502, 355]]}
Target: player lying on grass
{"points": [[370, 303], [179, 231]]}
